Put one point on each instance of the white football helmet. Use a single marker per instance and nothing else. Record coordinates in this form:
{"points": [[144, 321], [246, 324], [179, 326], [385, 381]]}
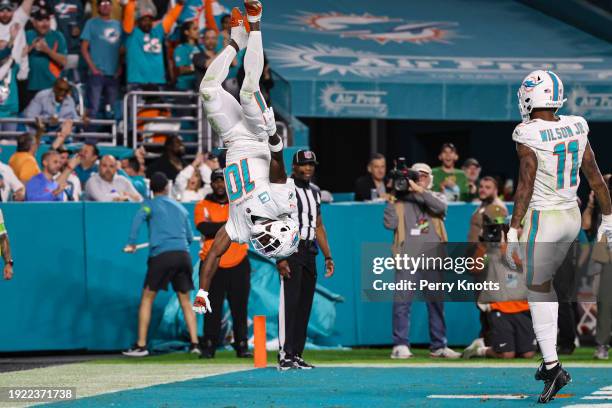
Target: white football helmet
{"points": [[540, 89], [276, 238]]}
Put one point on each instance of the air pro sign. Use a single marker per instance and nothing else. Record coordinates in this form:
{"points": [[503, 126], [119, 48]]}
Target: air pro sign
{"points": [[326, 60], [337, 100], [589, 102]]}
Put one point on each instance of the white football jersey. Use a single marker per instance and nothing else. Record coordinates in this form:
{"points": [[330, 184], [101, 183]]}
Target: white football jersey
{"points": [[559, 147], [247, 180]]}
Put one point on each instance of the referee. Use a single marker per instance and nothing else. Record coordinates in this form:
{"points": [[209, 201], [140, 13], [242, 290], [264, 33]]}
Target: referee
{"points": [[299, 271], [169, 260]]}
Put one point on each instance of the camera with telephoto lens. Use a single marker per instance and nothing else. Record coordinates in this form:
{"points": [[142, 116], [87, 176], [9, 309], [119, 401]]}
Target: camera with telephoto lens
{"points": [[400, 174]]}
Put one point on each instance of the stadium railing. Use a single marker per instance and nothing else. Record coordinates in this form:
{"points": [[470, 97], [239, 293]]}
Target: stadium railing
{"points": [[107, 137]]}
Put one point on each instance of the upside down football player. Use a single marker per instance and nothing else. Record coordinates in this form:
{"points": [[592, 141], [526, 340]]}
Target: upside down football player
{"points": [[262, 199], [551, 150]]}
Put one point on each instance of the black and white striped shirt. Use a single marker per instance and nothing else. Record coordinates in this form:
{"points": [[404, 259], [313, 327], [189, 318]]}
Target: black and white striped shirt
{"points": [[309, 206]]}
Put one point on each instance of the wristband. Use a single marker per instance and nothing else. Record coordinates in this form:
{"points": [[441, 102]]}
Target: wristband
{"points": [[277, 147]]}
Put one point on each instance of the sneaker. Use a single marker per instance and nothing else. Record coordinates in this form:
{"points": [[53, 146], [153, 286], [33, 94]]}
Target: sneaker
{"points": [[554, 379], [194, 348], [565, 351], [444, 352], [238, 31], [401, 351], [287, 364], [301, 364], [136, 351], [474, 349], [253, 10], [601, 353]]}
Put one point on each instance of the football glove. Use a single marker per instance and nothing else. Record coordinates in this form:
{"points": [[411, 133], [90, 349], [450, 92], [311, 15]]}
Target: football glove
{"points": [[270, 122], [605, 229], [201, 304], [513, 248]]}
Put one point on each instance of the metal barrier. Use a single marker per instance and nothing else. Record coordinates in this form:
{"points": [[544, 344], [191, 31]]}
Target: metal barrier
{"points": [[104, 138], [135, 101]]}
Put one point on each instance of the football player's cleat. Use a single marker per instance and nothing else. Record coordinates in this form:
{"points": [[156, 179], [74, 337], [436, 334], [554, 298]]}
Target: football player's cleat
{"points": [[301, 364], [201, 304], [253, 9], [238, 29], [554, 379], [540, 89]]}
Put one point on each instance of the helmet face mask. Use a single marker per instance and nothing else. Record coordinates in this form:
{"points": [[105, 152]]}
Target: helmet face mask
{"points": [[540, 89], [275, 238]]}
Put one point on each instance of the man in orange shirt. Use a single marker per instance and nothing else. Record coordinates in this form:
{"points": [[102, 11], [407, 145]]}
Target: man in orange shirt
{"points": [[23, 162], [233, 276]]}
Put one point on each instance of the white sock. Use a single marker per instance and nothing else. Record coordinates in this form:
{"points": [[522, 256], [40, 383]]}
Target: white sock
{"points": [[240, 35], [544, 316]]}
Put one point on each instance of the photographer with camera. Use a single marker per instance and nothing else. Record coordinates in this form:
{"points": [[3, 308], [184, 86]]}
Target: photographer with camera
{"points": [[507, 327], [416, 215]]}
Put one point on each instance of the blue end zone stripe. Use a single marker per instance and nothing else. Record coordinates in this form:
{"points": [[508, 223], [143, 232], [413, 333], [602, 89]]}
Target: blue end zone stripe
{"points": [[533, 231], [555, 82]]}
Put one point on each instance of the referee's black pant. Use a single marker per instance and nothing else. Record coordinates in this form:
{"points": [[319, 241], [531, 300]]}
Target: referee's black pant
{"points": [[235, 282], [296, 295]]}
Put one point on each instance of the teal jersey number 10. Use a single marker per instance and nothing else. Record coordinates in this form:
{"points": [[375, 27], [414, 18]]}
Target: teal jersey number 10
{"points": [[562, 150], [238, 180]]}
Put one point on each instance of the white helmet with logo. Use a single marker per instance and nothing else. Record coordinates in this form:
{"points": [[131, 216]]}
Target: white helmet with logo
{"points": [[540, 89], [276, 238]]}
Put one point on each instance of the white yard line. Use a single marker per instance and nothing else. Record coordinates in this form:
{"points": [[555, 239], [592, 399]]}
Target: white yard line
{"points": [[95, 379]]}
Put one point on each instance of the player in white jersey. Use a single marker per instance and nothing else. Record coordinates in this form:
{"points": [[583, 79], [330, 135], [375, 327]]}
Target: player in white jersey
{"points": [[262, 199], [551, 149]]}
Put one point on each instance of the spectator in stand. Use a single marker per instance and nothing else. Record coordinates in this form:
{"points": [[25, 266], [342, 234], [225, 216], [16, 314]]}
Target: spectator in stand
{"points": [[47, 52], [134, 168], [145, 42], [448, 180], [171, 161], [183, 54], [89, 154], [23, 161], [73, 188], [202, 60], [9, 103], [233, 276], [12, 18], [372, 186], [46, 185], [107, 185], [11, 189], [53, 104], [487, 194], [471, 168], [223, 38], [189, 185], [70, 19], [102, 50]]}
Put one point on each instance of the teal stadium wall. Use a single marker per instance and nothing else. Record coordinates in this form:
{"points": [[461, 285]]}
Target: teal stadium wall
{"points": [[74, 288]]}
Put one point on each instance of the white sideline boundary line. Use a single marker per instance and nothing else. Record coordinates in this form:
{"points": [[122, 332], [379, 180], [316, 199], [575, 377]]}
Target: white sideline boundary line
{"points": [[533, 365]]}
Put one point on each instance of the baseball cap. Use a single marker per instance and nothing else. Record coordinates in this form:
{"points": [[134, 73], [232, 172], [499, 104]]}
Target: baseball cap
{"points": [[159, 181], [146, 9], [450, 146], [422, 167], [216, 174], [304, 157], [40, 12], [471, 162], [7, 5]]}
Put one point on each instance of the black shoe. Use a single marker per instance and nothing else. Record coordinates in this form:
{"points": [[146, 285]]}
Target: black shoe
{"points": [[554, 379], [287, 364], [242, 350], [136, 351], [302, 364], [208, 350], [565, 351]]}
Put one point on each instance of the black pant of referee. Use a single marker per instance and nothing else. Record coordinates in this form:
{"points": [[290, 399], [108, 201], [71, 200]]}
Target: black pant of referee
{"points": [[297, 293]]}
